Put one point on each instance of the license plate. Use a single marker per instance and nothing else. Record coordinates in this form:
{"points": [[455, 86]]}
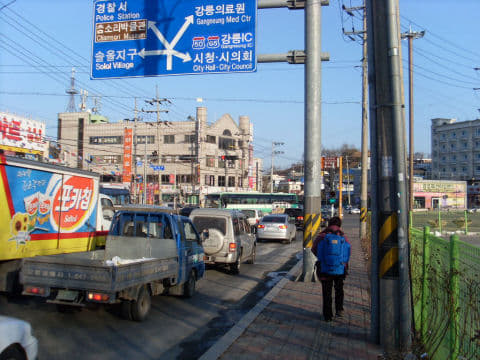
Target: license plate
{"points": [[67, 295]]}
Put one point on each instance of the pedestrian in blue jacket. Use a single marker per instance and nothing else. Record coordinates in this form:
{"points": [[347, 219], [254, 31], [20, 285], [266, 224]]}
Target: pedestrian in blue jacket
{"points": [[332, 249]]}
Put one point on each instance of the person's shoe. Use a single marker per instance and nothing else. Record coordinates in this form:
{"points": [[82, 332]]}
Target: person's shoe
{"points": [[339, 314], [328, 319]]}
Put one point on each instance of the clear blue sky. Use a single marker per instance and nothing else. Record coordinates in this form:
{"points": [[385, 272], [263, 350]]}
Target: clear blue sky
{"points": [[54, 35]]}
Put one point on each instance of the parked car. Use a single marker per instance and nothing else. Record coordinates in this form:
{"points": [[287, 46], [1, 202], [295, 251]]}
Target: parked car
{"points": [[253, 216], [277, 227], [16, 340], [354, 211], [297, 214], [228, 237]]}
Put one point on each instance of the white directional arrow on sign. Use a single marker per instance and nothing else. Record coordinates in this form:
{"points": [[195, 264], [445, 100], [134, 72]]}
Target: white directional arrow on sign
{"points": [[169, 52], [151, 25], [185, 57], [186, 24]]}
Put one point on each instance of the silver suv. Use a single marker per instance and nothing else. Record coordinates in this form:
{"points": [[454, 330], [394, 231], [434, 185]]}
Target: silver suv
{"points": [[253, 216], [228, 238]]}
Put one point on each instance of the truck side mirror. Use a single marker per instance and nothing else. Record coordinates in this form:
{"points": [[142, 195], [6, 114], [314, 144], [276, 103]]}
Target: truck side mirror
{"points": [[205, 235]]}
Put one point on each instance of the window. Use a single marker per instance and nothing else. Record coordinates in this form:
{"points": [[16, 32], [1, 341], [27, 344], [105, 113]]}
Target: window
{"points": [[453, 146], [190, 138], [477, 131], [211, 139], [444, 136], [464, 133], [190, 233], [231, 181], [184, 179], [210, 180], [210, 161], [240, 182], [221, 181], [434, 142], [209, 222], [169, 139], [226, 143], [444, 147], [465, 144], [444, 158], [231, 164], [141, 139], [221, 163], [465, 157], [454, 135], [165, 179], [454, 157], [464, 169], [454, 169]]}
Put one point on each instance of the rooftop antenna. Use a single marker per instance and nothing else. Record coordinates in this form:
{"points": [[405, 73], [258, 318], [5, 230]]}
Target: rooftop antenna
{"points": [[72, 92], [96, 104], [83, 104]]}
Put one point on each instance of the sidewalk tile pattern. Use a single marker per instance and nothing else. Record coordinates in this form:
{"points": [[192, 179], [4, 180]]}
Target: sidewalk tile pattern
{"points": [[292, 325]]}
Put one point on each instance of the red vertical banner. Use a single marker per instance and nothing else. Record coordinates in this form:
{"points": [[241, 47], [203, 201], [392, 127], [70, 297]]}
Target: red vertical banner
{"points": [[127, 155]]}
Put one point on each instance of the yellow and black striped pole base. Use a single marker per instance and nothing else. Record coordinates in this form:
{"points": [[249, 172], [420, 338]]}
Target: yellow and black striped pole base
{"points": [[311, 228], [388, 247]]}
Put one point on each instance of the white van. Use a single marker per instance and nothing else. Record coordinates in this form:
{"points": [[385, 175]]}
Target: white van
{"points": [[228, 237]]}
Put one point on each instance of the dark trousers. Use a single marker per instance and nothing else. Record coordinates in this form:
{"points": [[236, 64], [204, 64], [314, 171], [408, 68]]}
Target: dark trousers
{"points": [[337, 282]]}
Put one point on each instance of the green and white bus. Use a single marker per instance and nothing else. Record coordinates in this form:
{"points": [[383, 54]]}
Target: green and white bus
{"points": [[267, 202]]}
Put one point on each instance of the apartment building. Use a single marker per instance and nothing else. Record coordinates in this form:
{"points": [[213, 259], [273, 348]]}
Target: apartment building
{"points": [[191, 158], [455, 149]]}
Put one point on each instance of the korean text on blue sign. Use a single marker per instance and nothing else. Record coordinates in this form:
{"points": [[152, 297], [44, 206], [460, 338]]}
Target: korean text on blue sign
{"points": [[136, 38]]}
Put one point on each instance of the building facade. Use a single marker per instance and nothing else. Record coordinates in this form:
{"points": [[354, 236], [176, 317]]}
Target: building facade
{"points": [[184, 158], [455, 149]]}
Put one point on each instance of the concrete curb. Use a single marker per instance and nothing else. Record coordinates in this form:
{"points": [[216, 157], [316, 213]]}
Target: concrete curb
{"points": [[237, 330]]}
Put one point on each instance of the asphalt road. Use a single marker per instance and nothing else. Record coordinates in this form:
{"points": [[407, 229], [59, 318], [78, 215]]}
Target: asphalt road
{"points": [[177, 328]]}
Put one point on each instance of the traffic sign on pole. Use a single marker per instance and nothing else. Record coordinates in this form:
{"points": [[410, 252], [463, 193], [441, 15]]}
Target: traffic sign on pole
{"points": [[136, 38]]}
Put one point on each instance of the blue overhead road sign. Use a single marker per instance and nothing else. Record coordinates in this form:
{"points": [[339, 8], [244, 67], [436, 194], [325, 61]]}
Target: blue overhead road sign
{"points": [[136, 38]]}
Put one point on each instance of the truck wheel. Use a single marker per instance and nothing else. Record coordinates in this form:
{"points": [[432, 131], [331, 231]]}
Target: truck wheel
{"points": [[235, 267], [126, 310], [189, 287], [141, 307], [254, 253], [12, 353]]}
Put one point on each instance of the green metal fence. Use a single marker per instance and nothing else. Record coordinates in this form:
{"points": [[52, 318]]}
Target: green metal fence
{"points": [[447, 221], [446, 295]]}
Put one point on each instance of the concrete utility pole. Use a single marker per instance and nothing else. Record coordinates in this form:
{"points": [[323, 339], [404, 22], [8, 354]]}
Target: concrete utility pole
{"points": [[364, 174], [411, 35], [312, 58], [157, 102], [390, 271], [274, 152]]}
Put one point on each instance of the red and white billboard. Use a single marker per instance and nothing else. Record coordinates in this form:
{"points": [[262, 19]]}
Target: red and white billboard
{"points": [[20, 134]]}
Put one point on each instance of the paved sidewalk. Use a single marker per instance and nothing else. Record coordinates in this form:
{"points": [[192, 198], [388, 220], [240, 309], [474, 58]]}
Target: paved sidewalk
{"points": [[288, 322]]}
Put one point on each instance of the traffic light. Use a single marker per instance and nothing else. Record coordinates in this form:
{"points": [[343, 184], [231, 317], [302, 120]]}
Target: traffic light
{"points": [[332, 199]]}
